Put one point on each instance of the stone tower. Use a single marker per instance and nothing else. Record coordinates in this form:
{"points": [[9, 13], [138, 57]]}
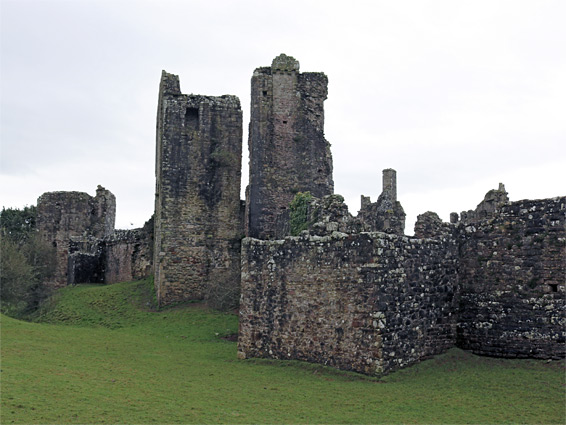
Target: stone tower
{"points": [[61, 215], [288, 151], [197, 204]]}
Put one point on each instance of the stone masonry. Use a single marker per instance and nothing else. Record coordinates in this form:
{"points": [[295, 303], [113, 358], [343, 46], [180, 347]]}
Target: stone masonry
{"points": [[62, 215], [368, 302], [512, 278], [288, 151], [197, 203]]}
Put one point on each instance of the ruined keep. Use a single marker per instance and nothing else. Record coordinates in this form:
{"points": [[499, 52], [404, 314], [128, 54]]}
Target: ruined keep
{"points": [[197, 196], [62, 215], [348, 291], [88, 248], [288, 151]]}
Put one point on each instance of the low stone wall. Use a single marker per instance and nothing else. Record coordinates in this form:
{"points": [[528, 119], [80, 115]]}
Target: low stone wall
{"points": [[123, 256], [128, 255], [368, 302], [512, 276]]}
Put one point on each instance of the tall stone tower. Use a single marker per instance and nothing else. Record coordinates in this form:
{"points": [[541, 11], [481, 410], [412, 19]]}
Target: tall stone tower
{"points": [[197, 203], [61, 215], [288, 151]]}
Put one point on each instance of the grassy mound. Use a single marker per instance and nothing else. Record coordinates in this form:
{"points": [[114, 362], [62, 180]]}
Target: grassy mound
{"points": [[113, 306], [102, 354]]}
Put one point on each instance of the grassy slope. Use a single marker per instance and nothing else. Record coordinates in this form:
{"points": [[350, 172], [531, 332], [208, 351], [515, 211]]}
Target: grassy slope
{"points": [[117, 363]]}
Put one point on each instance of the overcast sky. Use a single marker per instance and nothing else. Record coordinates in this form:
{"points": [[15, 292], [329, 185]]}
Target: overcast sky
{"points": [[457, 96]]}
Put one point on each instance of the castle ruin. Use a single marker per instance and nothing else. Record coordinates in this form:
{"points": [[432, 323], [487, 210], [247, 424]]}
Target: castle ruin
{"points": [[348, 291]]}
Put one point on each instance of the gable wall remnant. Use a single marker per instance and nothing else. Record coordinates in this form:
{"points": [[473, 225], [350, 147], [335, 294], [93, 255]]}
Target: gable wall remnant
{"points": [[386, 214]]}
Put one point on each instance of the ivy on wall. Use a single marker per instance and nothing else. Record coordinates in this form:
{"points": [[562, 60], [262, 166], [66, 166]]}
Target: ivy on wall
{"points": [[299, 212]]}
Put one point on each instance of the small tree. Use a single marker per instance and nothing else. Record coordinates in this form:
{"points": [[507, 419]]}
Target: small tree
{"points": [[17, 277], [27, 262]]}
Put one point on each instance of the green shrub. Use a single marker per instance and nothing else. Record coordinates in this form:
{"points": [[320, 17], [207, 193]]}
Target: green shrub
{"points": [[27, 261], [17, 276], [299, 212]]}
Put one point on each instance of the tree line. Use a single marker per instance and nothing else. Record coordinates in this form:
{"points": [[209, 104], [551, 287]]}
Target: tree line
{"points": [[26, 262]]}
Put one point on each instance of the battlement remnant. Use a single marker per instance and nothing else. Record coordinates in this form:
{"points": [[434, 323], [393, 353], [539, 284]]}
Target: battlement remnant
{"points": [[288, 151], [197, 201], [492, 202]]}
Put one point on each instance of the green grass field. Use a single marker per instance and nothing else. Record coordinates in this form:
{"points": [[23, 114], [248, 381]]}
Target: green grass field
{"points": [[97, 354]]}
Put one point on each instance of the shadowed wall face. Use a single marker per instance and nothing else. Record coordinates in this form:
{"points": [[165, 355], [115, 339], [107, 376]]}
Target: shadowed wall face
{"points": [[197, 205], [288, 151]]}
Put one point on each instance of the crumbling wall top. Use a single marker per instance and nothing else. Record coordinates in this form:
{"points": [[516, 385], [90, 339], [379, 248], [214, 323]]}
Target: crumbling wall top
{"points": [[492, 202], [285, 63], [169, 84]]}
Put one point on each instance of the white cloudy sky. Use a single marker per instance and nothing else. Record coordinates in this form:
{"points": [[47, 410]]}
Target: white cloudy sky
{"points": [[457, 96]]}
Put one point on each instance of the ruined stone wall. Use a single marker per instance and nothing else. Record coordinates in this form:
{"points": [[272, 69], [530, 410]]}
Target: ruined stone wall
{"points": [[62, 215], [369, 302], [486, 209], [197, 205], [429, 225], [128, 255], [512, 277], [85, 260], [288, 151], [386, 214], [123, 256]]}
